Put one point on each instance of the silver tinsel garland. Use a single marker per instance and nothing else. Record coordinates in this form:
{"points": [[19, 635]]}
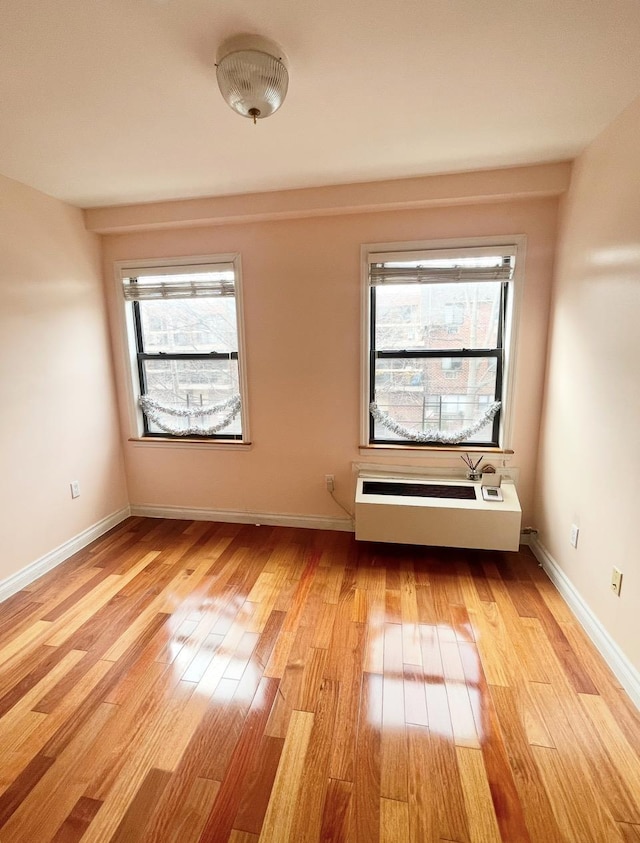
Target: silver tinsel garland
{"points": [[439, 436], [154, 412]]}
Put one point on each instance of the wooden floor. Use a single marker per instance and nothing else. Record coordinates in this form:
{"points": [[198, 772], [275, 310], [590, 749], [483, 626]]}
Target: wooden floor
{"points": [[182, 681]]}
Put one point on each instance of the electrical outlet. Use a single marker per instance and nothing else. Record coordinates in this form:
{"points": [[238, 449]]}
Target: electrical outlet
{"points": [[575, 530], [616, 581], [329, 482], [75, 488]]}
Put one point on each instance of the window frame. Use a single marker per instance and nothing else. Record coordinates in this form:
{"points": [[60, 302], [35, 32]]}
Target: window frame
{"points": [[135, 356], [503, 423]]}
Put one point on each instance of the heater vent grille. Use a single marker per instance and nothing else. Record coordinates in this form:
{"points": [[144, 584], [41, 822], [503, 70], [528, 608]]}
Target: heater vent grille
{"points": [[419, 490]]}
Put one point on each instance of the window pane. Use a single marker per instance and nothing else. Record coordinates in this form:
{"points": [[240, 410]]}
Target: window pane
{"points": [[447, 393], [182, 326], [437, 316], [187, 383]]}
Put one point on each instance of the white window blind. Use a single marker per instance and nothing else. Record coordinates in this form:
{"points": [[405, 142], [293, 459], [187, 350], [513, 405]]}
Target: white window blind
{"points": [[437, 267], [179, 282]]}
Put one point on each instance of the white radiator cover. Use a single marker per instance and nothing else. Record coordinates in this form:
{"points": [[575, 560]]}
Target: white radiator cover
{"points": [[485, 525]]}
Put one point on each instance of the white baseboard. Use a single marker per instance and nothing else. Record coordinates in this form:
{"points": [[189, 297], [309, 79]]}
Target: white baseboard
{"points": [[620, 665], [24, 577], [271, 519]]}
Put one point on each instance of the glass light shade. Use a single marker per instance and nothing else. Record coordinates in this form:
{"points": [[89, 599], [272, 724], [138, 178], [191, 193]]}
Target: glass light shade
{"points": [[252, 82]]}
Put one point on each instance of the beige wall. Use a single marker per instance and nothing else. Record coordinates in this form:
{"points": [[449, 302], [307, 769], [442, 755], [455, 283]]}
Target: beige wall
{"points": [[302, 314], [589, 467], [58, 421]]}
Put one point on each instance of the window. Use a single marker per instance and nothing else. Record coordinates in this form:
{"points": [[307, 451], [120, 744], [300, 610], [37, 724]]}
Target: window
{"points": [[437, 323], [451, 364], [185, 338]]}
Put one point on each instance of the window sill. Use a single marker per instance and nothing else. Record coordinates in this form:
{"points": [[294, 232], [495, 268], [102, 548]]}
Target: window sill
{"points": [[194, 444], [428, 450]]}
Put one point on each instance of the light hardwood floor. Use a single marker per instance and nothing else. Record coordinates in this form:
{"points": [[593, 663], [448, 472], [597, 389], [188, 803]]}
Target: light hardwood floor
{"points": [[180, 682]]}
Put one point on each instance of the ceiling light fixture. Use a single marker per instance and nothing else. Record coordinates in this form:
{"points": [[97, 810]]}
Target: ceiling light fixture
{"points": [[252, 75]]}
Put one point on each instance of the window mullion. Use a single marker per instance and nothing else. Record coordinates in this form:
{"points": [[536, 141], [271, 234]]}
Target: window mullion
{"points": [[404, 354], [137, 321], [372, 361], [177, 355], [504, 292]]}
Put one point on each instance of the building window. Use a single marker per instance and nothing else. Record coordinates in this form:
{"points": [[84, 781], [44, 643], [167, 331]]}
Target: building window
{"points": [[458, 304], [451, 364], [186, 348]]}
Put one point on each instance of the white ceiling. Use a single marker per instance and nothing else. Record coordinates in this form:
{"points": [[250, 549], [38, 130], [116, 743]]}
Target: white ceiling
{"points": [[115, 101]]}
